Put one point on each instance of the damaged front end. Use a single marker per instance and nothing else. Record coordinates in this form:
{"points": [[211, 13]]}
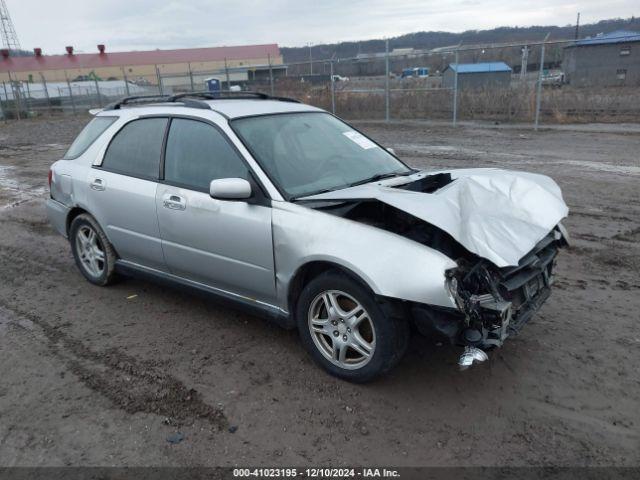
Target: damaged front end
{"points": [[496, 302]]}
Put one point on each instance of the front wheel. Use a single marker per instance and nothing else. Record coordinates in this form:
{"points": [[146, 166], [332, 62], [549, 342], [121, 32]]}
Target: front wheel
{"points": [[346, 330]]}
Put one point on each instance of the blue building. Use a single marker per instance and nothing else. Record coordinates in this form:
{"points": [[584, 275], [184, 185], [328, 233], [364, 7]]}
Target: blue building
{"points": [[477, 75]]}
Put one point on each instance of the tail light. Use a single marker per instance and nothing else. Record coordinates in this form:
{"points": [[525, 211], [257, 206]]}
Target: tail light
{"points": [[50, 177]]}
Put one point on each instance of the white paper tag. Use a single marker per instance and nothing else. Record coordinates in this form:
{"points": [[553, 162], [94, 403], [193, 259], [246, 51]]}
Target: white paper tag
{"points": [[360, 139]]}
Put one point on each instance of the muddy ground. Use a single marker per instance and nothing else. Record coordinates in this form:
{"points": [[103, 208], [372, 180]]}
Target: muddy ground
{"points": [[107, 376]]}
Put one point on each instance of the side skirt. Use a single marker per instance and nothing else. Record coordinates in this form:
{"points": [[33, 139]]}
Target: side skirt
{"points": [[234, 300]]}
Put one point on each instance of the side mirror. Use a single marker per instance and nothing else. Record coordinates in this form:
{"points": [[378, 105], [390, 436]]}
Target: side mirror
{"points": [[391, 151], [230, 189]]}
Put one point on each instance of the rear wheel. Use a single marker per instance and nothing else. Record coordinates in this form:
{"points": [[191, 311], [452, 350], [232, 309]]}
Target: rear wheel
{"points": [[94, 255], [345, 329]]}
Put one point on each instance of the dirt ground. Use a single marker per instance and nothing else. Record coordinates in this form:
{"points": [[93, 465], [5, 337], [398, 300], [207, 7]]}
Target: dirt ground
{"points": [[110, 376]]}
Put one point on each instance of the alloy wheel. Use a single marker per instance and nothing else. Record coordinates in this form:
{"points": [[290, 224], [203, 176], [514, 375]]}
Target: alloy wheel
{"points": [[342, 329], [90, 251]]}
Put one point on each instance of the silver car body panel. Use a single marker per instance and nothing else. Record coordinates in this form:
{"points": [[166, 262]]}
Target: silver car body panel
{"points": [[57, 214], [497, 214], [392, 266]]}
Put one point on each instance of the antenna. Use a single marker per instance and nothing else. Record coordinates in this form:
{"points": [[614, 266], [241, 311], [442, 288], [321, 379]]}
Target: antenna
{"points": [[9, 37]]}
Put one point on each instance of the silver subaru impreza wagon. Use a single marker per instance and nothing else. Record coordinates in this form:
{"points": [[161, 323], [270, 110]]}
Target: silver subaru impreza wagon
{"points": [[283, 208]]}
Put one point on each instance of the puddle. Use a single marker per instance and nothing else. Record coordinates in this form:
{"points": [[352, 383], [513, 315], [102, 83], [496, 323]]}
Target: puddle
{"points": [[13, 191]]}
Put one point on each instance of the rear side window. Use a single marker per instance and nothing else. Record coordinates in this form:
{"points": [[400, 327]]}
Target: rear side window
{"points": [[198, 153], [136, 149], [88, 135]]}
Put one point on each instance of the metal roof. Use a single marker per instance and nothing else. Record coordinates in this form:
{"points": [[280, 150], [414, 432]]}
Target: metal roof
{"points": [[619, 36], [480, 67], [150, 57]]}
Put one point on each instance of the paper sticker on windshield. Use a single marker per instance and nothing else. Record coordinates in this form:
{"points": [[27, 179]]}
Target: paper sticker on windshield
{"points": [[360, 139]]}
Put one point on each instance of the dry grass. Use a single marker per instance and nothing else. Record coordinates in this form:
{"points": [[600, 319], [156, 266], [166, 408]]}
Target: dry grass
{"points": [[515, 104]]}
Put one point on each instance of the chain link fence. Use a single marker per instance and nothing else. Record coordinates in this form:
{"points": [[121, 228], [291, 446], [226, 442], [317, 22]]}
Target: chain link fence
{"points": [[508, 83]]}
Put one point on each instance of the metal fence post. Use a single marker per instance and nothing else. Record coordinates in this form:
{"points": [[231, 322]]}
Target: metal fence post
{"points": [[386, 80], [270, 75], [160, 89], [191, 77], [333, 88], [6, 95], [73, 102], [455, 92], [27, 99], [16, 96], [46, 92], [539, 86], [2, 115], [95, 81], [226, 73], [126, 81]]}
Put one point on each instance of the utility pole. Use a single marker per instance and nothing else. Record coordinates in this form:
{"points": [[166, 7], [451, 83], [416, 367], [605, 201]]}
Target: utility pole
{"points": [[8, 33], [578, 26], [310, 61]]}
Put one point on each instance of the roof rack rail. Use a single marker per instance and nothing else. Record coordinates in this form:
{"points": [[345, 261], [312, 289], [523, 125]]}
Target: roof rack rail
{"points": [[228, 95], [142, 99], [134, 99], [188, 99]]}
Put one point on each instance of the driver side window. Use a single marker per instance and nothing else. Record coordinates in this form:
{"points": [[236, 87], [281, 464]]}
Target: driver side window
{"points": [[197, 153]]}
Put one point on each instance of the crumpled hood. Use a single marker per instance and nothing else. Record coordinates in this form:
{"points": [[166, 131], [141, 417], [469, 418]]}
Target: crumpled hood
{"points": [[497, 214]]}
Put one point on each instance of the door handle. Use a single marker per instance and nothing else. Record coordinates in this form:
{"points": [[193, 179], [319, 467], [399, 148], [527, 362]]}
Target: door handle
{"points": [[174, 202], [97, 184]]}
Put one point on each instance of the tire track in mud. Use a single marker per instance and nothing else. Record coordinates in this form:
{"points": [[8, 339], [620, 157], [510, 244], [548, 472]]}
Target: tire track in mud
{"points": [[131, 385]]}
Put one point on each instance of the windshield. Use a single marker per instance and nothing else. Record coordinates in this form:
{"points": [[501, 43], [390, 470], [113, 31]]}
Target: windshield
{"points": [[307, 153]]}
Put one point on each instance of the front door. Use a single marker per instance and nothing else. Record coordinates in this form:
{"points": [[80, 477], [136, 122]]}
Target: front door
{"points": [[223, 244]]}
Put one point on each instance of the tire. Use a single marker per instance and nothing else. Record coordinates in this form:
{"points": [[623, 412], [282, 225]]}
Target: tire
{"points": [[371, 329], [97, 263]]}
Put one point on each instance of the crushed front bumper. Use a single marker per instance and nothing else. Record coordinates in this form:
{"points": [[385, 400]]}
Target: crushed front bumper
{"points": [[493, 303]]}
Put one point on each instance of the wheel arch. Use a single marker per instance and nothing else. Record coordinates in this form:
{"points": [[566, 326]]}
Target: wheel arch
{"points": [[312, 269], [71, 216]]}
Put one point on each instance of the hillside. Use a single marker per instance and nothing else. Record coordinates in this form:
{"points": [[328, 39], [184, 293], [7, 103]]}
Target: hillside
{"points": [[428, 40]]}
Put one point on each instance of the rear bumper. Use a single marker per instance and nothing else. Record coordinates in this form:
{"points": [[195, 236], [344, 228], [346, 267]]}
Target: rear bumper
{"points": [[57, 214]]}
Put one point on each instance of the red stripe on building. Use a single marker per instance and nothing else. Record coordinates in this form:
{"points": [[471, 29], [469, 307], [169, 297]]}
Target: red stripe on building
{"points": [[151, 57]]}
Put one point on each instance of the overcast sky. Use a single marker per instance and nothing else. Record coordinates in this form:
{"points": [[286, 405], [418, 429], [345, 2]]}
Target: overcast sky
{"points": [[150, 24]]}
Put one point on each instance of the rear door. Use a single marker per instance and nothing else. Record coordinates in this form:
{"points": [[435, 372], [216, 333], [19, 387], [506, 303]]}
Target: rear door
{"points": [[223, 244], [122, 191]]}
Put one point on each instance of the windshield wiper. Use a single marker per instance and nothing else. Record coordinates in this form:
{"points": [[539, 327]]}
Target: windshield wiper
{"points": [[374, 178], [379, 176]]}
